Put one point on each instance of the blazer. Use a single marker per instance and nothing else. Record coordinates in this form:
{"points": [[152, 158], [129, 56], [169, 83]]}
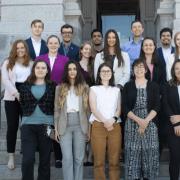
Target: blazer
{"points": [[129, 96], [60, 115], [121, 73], [58, 67], [161, 56], [73, 53], [28, 102], [32, 53], [171, 102], [9, 81]]}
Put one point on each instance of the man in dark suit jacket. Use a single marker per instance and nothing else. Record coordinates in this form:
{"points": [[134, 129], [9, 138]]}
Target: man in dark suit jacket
{"points": [[166, 49], [67, 48], [37, 46]]}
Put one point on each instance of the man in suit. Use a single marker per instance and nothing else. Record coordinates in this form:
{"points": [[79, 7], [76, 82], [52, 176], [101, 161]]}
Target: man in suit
{"points": [[37, 46], [164, 52], [67, 48], [166, 49]]}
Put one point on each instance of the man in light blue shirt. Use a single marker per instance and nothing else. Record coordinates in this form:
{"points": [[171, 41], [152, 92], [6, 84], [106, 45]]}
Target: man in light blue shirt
{"points": [[133, 47]]}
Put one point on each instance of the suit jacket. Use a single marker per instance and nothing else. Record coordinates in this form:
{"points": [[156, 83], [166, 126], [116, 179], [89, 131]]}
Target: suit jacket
{"points": [[58, 67], [171, 102], [73, 52], [161, 56], [60, 115], [43, 49]]}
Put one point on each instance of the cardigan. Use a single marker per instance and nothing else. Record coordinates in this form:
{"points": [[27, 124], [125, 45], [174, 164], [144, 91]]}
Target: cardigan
{"points": [[9, 81], [60, 114], [28, 102], [129, 96]]}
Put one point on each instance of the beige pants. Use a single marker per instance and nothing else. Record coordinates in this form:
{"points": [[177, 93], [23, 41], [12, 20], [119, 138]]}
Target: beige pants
{"points": [[102, 140]]}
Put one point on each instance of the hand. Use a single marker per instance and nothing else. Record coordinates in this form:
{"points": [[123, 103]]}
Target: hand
{"points": [[57, 136], [17, 96], [110, 128], [143, 123], [177, 130], [175, 119], [88, 137], [141, 130], [109, 123]]}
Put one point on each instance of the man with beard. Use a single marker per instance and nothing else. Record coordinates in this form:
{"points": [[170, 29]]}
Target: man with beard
{"points": [[166, 49], [67, 48], [96, 41], [164, 52]]}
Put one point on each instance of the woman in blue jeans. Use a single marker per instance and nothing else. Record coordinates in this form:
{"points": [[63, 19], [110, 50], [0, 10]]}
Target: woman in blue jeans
{"points": [[71, 120], [37, 104]]}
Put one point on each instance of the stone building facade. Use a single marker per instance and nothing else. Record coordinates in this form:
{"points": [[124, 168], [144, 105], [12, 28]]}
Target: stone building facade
{"points": [[16, 16]]}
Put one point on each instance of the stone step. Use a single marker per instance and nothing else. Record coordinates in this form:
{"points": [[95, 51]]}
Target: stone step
{"points": [[56, 174]]}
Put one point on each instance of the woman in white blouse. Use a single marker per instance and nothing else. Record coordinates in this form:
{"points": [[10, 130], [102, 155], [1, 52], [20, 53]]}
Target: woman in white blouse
{"points": [[112, 54], [174, 56], [105, 102], [71, 120], [15, 71]]}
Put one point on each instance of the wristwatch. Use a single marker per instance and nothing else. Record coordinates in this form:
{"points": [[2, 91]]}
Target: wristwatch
{"points": [[116, 118]]}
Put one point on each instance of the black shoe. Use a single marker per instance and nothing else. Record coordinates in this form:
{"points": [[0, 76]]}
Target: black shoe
{"points": [[58, 164], [90, 163]]}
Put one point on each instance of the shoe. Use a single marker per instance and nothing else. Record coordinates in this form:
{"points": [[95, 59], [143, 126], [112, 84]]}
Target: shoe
{"points": [[90, 163], [11, 164], [58, 164]]}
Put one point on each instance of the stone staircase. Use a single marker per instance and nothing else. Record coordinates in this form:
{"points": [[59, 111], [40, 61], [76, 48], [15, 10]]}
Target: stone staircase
{"points": [[56, 174]]}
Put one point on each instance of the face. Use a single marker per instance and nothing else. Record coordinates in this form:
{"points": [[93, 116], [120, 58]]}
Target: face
{"points": [[86, 51], [139, 70], [177, 41], [137, 29], [177, 70], [111, 39], [148, 47], [67, 34], [166, 38], [97, 38], [105, 73], [21, 50], [53, 45], [72, 71], [37, 29], [40, 70]]}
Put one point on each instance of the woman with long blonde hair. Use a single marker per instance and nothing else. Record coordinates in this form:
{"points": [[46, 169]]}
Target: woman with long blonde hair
{"points": [[71, 120]]}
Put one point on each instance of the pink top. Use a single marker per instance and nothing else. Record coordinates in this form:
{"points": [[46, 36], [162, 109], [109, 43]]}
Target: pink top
{"points": [[151, 68]]}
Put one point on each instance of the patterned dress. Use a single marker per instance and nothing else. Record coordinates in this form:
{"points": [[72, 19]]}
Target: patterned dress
{"points": [[141, 151]]}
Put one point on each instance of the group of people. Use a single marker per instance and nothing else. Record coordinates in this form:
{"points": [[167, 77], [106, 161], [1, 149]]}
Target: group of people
{"points": [[102, 93]]}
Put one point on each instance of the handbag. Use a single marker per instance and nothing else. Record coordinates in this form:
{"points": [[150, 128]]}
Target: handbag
{"points": [[50, 132]]}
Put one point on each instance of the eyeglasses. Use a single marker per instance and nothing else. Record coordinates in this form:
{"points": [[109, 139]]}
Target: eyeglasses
{"points": [[68, 33], [104, 71]]}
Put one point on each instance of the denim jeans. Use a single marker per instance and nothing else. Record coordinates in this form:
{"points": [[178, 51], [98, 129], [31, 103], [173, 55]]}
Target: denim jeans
{"points": [[73, 149]]}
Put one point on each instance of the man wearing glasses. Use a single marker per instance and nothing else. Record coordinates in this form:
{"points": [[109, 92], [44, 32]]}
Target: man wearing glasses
{"points": [[67, 48]]}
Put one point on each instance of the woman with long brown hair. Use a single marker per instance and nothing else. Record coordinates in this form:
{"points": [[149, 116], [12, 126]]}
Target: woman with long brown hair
{"points": [[117, 59], [71, 120], [15, 70]]}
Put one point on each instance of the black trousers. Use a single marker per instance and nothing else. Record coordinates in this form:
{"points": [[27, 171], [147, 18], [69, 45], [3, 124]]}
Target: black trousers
{"points": [[12, 110], [31, 137], [174, 148]]}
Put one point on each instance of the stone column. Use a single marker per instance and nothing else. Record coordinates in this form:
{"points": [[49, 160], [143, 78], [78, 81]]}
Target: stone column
{"points": [[89, 14], [164, 16], [16, 17], [73, 15], [176, 21], [147, 9]]}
